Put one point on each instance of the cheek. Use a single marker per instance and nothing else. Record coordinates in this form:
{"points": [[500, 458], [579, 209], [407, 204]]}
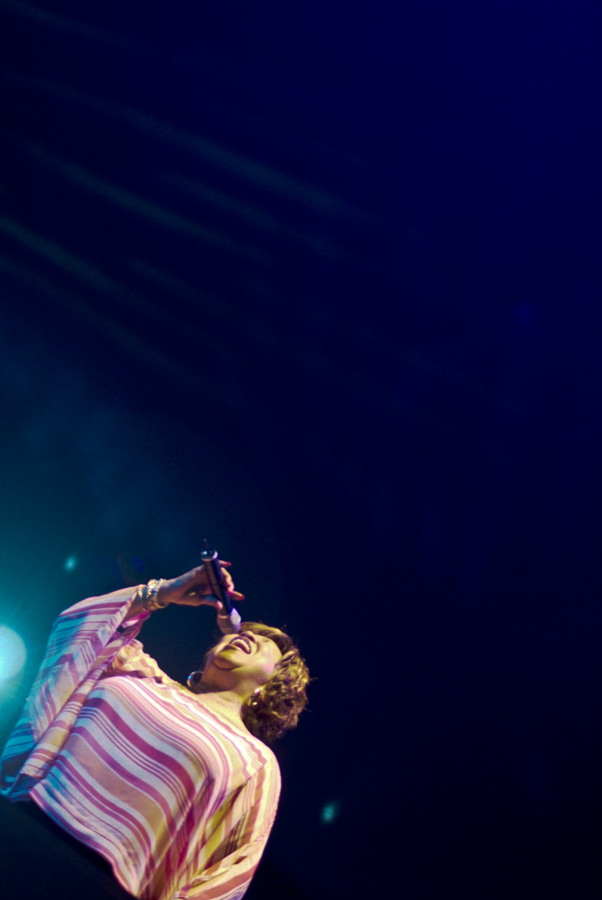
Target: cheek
{"points": [[266, 667], [272, 665]]}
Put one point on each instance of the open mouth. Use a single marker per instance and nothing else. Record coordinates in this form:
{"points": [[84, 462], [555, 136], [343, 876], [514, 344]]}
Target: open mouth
{"points": [[243, 642]]}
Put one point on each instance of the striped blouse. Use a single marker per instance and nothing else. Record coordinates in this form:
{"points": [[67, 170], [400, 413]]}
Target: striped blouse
{"points": [[176, 797]]}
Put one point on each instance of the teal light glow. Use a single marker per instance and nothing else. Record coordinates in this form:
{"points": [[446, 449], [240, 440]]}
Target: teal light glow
{"points": [[70, 563], [329, 813], [12, 653]]}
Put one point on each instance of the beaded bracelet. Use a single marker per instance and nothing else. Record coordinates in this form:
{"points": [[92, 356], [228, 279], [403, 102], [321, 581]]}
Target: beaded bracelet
{"points": [[147, 595]]}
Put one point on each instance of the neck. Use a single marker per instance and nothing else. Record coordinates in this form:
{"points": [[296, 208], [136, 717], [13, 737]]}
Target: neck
{"points": [[225, 703], [230, 696], [227, 699], [234, 691]]}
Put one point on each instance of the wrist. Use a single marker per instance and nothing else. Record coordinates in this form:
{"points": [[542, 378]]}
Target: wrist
{"points": [[150, 595]]}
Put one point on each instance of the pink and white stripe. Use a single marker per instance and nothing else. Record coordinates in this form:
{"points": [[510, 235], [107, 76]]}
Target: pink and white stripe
{"points": [[178, 799]]}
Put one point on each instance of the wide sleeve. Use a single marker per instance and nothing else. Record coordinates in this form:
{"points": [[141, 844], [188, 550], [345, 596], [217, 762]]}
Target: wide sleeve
{"points": [[132, 659], [234, 847], [84, 640]]}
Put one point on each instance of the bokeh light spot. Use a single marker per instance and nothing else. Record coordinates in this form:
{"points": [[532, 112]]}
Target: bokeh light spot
{"points": [[329, 812], [12, 653], [70, 563]]}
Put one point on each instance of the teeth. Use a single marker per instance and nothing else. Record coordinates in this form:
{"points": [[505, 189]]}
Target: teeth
{"points": [[246, 643]]}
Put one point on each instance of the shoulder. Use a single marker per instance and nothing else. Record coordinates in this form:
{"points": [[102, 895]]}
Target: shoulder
{"points": [[261, 759], [268, 768]]}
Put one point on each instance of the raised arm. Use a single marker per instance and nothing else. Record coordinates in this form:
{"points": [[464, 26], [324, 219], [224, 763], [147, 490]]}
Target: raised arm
{"points": [[84, 640], [190, 589]]}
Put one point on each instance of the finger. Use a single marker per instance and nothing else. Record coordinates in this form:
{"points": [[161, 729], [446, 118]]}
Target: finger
{"points": [[197, 590], [228, 580], [236, 596], [224, 562], [209, 600]]}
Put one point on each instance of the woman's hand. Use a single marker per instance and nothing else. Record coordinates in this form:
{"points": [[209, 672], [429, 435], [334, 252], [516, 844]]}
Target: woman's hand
{"points": [[193, 589]]}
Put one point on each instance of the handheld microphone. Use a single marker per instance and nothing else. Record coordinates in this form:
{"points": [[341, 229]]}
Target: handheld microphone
{"points": [[229, 619]]}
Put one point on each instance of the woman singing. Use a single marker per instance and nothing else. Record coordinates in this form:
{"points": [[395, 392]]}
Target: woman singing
{"points": [[173, 786]]}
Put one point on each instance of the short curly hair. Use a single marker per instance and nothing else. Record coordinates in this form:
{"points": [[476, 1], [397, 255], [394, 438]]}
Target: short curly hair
{"points": [[275, 708]]}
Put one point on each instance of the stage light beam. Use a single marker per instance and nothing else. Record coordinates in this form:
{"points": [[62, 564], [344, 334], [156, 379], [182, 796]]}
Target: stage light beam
{"points": [[12, 653]]}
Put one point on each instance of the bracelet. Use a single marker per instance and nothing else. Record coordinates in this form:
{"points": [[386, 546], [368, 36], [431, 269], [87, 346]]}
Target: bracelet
{"points": [[147, 595]]}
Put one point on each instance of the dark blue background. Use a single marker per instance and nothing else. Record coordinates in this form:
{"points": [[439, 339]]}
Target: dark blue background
{"points": [[321, 282]]}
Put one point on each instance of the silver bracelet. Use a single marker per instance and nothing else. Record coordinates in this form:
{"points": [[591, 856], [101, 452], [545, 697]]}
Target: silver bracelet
{"points": [[147, 595]]}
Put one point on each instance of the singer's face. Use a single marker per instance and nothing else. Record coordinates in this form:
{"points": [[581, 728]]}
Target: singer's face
{"points": [[246, 655]]}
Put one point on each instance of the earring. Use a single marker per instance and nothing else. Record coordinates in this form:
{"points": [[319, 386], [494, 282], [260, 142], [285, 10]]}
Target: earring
{"points": [[193, 679]]}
